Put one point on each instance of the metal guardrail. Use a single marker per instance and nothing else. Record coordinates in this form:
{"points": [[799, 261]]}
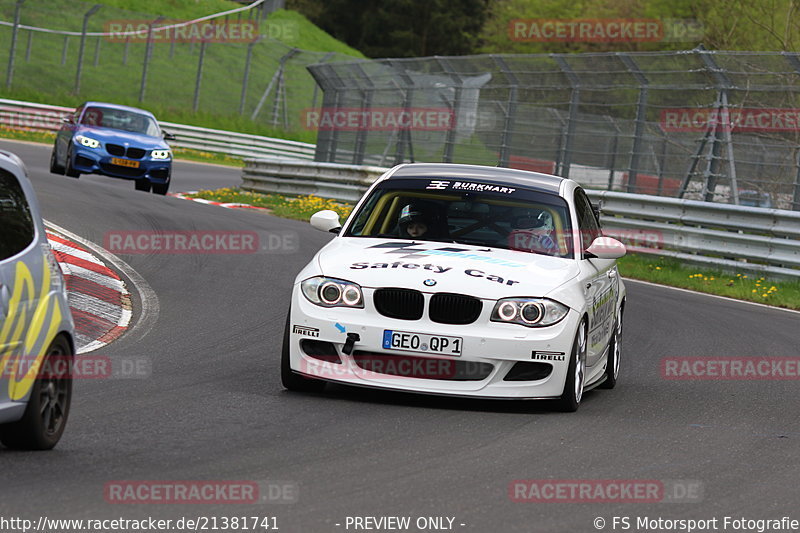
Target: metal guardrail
{"points": [[40, 117], [722, 236], [346, 183]]}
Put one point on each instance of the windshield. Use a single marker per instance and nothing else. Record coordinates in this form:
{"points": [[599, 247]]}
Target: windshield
{"points": [[522, 220], [120, 119]]}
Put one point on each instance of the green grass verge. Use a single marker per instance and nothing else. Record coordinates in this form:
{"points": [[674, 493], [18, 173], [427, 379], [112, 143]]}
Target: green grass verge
{"points": [[665, 271], [297, 208], [741, 286], [185, 154]]}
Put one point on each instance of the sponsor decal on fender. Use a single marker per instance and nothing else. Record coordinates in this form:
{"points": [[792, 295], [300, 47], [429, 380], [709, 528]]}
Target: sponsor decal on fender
{"points": [[41, 324], [541, 355], [305, 330]]}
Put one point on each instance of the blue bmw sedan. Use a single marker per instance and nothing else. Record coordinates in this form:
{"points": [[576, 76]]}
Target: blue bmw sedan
{"points": [[117, 141]]}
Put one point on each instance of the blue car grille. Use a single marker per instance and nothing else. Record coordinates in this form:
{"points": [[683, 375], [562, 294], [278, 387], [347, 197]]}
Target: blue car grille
{"points": [[131, 152]]}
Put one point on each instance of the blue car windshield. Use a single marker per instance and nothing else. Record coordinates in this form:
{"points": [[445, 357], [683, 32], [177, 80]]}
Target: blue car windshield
{"points": [[120, 119]]}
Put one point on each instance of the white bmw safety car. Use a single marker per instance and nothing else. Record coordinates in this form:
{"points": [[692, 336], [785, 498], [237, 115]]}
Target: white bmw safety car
{"points": [[461, 280]]}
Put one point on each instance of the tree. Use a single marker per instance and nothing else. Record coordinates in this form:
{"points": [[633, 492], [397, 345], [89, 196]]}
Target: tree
{"points": [[400, 28]]}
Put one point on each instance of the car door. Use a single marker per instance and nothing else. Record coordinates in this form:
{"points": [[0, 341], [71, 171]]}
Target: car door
{"points": [[17, 297], [599, 278]]}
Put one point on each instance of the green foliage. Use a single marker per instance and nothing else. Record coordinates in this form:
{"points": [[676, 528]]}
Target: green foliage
{"points": [[726, 24], [400, 28]]}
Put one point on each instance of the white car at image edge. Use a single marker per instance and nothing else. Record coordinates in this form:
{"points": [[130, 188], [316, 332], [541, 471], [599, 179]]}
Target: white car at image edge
{"points": [[461, 280]]}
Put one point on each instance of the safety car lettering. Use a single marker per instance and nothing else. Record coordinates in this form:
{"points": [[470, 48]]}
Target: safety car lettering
{"points": [[475, 273], [397, 264]]}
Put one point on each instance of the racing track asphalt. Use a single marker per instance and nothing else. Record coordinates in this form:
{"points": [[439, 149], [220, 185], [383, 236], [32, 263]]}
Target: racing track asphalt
{"points": [[214, 408]]}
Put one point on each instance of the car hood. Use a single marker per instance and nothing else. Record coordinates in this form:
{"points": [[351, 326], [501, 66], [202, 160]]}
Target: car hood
{"points": [[488, 273], [107, 135]]}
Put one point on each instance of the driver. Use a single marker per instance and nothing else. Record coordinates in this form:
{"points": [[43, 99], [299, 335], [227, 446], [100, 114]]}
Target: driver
{"points": [[418, 221]]}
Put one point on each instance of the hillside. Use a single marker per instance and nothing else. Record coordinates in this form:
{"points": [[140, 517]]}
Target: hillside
{"points": [[46, 63]]}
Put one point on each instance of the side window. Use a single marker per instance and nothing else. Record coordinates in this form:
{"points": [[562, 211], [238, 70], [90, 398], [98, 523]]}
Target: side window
{"points": [[76, 116], [17, 225], [589, 228]]}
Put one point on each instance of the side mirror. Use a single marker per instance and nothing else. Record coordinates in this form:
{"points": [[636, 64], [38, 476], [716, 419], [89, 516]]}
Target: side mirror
{"points": [[169, 136], [67, 119], [606, 248], [326, 220]]}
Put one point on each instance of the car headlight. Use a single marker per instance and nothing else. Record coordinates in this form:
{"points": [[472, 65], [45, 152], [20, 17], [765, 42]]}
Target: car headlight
{"points": [[88, 142], [530, 312], [330, 292], [160, 154]]}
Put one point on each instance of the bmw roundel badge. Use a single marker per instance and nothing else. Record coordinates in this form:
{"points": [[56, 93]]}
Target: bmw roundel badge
{"points": [[429, 282]]}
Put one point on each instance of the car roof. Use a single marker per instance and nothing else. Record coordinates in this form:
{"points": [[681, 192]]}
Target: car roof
{"points": [[118, 106], [505, 176]]}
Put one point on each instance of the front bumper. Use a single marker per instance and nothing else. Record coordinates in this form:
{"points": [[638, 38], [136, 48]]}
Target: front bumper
{"points": [[98, 161], [489, 352]]}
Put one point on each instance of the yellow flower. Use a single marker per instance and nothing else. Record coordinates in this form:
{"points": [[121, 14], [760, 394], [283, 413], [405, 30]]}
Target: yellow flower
{"points": [[754, 290]]}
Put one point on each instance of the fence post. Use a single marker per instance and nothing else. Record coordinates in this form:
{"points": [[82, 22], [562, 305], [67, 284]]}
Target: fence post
{"points": [[247, 72], [796, 195], [565, 158], [12, 49], [325, 58], [148, 50], [97, 51], [510, 111], [366, 105], [403, 135], [276, 78], [641, 118], [28, 47], [711, 173], [64, 50], [88, 14], [450, 139], [199, 77], [612, 165]]}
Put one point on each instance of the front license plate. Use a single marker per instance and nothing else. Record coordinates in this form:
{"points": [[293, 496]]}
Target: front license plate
{"points": [[124, 162], [420, 342]]}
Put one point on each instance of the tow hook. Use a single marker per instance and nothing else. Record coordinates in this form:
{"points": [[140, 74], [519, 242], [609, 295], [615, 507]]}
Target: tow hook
{"points": [[352, 339]]}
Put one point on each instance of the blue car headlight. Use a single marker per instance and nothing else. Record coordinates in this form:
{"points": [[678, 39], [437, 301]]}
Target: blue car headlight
{"points": [[331, 292], [88, 142], [160, 154]]}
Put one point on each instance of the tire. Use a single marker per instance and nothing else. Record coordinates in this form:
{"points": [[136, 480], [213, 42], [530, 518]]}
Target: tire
{"points": [[291, 381], [160, 188], [614, 355], [55, 168], [142, 184], [68, 170], [46, 414], [576, 373]]}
